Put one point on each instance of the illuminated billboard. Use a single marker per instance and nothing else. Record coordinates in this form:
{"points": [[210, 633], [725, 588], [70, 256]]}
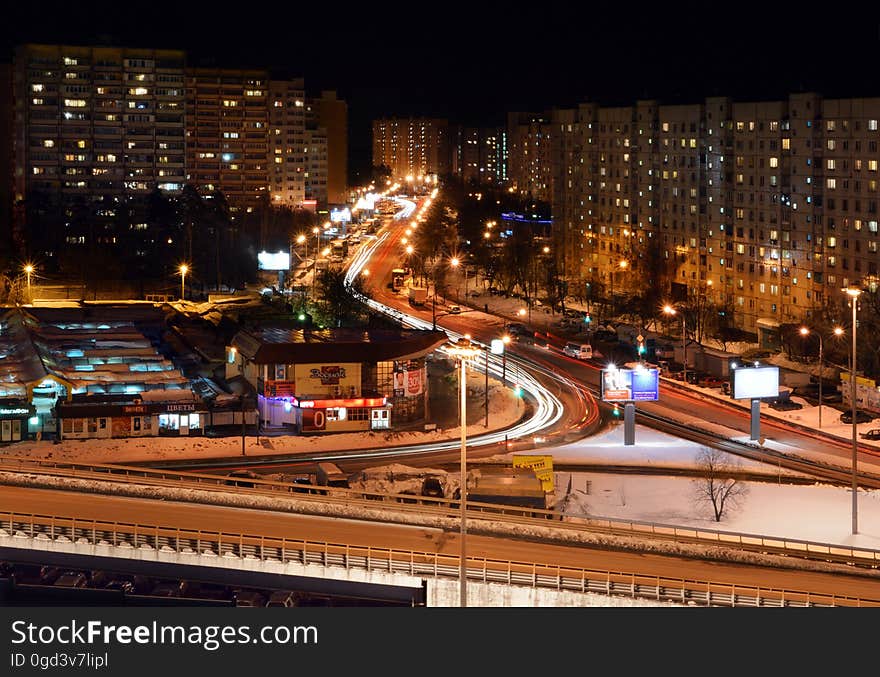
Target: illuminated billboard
{"points": [[751, 383], [630, 385], [340, 215], [274, 261]]}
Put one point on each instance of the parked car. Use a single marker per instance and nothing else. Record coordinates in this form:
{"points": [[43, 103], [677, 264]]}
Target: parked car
{"points": [[431, 486], [725, 387], [454, 310], [72, 579], [580, 351], [284, 598], [872, 434], [785, 405], [242, 473], [250, 598], [861, 417], [709, 381]]}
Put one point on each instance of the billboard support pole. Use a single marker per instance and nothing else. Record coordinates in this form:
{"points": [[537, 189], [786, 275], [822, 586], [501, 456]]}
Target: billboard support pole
{"points": [[755, 428], [629, 424]]}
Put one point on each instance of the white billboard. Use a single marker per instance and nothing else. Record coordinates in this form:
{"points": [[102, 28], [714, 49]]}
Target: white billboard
{"points": [[274, 261], [751, 383]]}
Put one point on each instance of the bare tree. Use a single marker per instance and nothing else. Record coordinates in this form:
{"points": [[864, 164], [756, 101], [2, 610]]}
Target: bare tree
{"points": [[717, 485]]}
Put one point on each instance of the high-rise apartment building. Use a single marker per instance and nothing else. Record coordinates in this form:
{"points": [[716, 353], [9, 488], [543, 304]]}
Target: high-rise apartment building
{"points": [[6, 158], [412, 146], [765, 209], [287, 141], [479, 154], [331, 114], [316, 165], [227, 126], [529, 154], [93, 123]]}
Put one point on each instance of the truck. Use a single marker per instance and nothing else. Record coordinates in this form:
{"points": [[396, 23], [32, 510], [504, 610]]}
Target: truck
{"points": [[417, 296], [330, 475]]}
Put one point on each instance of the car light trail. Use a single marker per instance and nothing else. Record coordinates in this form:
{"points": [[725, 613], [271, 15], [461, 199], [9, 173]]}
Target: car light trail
{"points": [[548, 409]]}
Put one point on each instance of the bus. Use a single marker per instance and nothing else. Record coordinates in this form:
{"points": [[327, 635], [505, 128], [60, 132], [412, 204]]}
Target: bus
{"points": [[398, 275]]}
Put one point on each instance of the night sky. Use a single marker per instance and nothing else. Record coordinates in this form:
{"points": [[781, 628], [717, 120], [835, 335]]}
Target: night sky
{"points": [[473, 62]]}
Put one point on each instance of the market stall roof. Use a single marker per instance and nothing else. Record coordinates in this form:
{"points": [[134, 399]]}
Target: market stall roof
{"points": [[277, 345]]}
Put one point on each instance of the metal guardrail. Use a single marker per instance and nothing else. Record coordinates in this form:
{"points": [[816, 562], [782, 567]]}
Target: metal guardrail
{"points": [[444, 507], [410, 562]]}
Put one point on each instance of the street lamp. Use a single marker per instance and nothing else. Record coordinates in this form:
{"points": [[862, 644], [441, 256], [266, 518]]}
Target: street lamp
{"points": [[669, 310], [506, 340], [854, 292], [28, 270], [464, 350], [183, 271], [805, 331]]}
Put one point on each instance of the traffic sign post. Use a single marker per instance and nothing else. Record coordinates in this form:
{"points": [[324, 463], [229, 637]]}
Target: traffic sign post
{"points": [[629, 424], [755, 428]]}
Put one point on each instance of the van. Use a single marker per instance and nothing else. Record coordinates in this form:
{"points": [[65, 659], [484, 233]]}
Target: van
{"points": [[581, 351]]}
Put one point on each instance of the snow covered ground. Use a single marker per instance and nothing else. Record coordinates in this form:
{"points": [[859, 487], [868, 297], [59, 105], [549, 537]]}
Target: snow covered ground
{"points": [[504, 410]]}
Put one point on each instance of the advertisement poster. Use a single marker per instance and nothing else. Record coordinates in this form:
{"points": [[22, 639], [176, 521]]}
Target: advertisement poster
{"points": [[413, 382], [630, 385]]}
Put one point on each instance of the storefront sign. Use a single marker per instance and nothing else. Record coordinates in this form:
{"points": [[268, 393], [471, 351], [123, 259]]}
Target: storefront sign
{"points": [[180, 407], [134, 409], [328, 379], [17, 411]]}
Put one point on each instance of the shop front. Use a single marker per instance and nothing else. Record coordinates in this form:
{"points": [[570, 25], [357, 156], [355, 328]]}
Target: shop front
{"points": [[14, 417]]}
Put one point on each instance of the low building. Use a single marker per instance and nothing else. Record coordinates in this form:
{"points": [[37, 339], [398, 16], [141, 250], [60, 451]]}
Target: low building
{"points": [[146, 414], [14, 416], [335, 380]]}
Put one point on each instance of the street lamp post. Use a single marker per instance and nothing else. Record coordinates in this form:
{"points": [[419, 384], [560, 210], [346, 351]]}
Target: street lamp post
{"points": [[506, 340], [183, 270], [805, 332], [854, 293], [28, 270], [463, 350], [669, 310]]}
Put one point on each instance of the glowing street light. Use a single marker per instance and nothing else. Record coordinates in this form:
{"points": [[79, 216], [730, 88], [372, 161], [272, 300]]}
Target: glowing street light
{"points": [[28, 270], [854, 292], [805, 331], [464, 350], [184, 269], [669, 310]]}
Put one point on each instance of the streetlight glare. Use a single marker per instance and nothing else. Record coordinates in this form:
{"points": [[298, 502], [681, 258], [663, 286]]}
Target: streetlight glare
{"points": [[804, 331], [454, 261], [838, 331]]}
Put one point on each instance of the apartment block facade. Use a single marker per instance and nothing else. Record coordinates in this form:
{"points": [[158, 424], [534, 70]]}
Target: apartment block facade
{"points": [[412, 146], [529, 160], [330, 113], [479, 154], [95, 122], [287, 141], [228, 133], [766, 209]]}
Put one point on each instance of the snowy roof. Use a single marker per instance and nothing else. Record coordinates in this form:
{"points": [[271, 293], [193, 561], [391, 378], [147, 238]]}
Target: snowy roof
{"points": [[277, 345]]}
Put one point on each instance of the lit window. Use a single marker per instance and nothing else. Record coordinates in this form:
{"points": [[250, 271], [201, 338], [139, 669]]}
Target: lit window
{"points": [[774, 161], [831, 184], [48, 143], [830, 164], [872, 165], [36, 88]]}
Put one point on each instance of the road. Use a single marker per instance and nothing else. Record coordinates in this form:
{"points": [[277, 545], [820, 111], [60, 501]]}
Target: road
{"points": [[423, 539], [673, 403]]}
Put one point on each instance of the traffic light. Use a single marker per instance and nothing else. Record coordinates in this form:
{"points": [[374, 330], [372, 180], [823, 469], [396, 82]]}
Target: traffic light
{"points": [[517, 390], [587, 319], [616, 411], [641, 347]]}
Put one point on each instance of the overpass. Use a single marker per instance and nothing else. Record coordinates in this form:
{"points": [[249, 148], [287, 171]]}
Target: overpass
{"points": [[353, 548]]}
